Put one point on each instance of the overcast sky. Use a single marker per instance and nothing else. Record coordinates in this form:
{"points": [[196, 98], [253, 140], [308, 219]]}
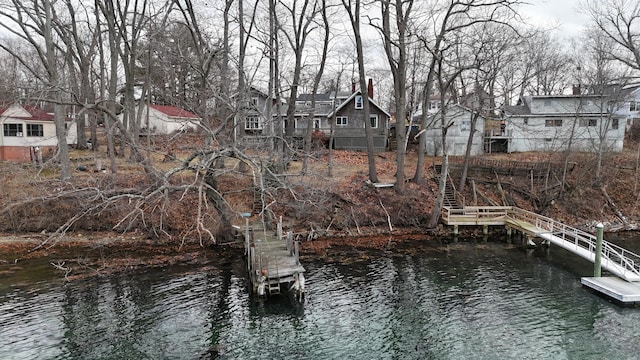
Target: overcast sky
{"points": [[565, 13]]}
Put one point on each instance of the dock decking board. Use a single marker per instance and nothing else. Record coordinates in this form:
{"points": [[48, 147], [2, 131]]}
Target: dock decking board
{"points": [[273, 260]]}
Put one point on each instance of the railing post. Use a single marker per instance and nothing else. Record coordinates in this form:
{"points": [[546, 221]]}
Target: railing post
{"points": [[597, 264]]}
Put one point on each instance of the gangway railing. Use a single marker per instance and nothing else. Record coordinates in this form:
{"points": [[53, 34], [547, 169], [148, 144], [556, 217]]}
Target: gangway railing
{"points": [[625, 262], [612, 254]]}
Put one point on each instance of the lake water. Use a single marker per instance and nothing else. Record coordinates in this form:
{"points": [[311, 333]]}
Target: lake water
{"points": [[465, 300]]}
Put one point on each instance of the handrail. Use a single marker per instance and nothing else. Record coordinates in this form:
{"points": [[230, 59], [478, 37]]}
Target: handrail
{"points": [[612, 255], [456, 195]]}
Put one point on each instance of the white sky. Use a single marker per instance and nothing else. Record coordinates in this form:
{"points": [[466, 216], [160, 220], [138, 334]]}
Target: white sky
{"points": [[564, 13]]}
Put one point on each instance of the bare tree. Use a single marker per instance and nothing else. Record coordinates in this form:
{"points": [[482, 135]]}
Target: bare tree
{"points": [[396, 48], [353, 8], [303, 22], [34, 23], [316, 82], [619, 21], [450, 20]]}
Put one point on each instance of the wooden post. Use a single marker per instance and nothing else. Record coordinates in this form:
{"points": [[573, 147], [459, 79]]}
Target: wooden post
{"points": [[485, 230], [455, 230], [597, 264], [508, 234]]}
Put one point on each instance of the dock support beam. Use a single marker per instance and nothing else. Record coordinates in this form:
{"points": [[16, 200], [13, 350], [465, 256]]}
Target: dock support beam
{"points": [[485, 230], [455, 230], [597, 264], [509, 234]]}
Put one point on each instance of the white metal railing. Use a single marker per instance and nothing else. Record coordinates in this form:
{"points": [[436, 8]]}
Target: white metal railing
{"points": [[612, 254]]}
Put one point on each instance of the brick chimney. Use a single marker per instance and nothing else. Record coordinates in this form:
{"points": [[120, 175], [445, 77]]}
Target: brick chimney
{"points": [[576, 89], [370, 88]]}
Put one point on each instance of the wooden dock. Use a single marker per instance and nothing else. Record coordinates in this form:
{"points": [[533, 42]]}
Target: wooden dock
{"points": [[625, 288], [273, 260]]}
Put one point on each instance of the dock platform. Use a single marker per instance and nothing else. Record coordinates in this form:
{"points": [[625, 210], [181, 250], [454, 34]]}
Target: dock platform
{"points": [[620, 290], [273, 261]]}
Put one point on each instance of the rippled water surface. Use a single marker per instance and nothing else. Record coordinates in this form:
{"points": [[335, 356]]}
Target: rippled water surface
{"points": [[468, 300]]}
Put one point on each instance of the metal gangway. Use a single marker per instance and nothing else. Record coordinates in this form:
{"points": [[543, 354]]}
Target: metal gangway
{"points": [[615, 259]]}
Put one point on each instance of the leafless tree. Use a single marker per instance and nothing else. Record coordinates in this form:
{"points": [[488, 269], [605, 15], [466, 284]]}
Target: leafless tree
{"points": [[34, 23], [353, 8], [397, 15], [450, 20], [619, 21]]}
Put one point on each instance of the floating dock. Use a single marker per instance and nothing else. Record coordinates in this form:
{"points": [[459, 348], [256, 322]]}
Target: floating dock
{"points": [[624, 264], [622, 291], [273, 261]]}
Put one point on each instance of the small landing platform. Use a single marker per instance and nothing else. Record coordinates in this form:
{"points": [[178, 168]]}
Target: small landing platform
{"points": [[625, 292]]}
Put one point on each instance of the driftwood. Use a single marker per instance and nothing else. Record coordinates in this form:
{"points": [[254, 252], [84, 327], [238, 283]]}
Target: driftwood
{"points": [[486, 198], [503, 196], [613, 205], [475, 196]]}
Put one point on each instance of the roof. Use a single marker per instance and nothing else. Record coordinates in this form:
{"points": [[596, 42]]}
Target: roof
{"points": [[35, 112], [350, 98], [173, 111], [38, 113]]}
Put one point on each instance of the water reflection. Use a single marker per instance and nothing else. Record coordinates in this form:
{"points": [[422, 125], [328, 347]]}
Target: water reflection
{"points": [[463, 300]]}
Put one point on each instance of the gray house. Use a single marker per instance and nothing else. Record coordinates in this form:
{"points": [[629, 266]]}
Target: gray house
{"points": [[337, 114], [342, 115], [553, 122]]}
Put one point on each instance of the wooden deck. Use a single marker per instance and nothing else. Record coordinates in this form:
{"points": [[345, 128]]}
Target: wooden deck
{"points": [[273, 260], [615, 259]]}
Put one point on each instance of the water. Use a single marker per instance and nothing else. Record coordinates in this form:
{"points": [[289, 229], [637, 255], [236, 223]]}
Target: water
{"points": [[466, 300]]}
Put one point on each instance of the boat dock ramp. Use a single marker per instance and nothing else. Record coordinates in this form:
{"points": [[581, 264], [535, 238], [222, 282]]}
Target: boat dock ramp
{"points": [[623, 287]]}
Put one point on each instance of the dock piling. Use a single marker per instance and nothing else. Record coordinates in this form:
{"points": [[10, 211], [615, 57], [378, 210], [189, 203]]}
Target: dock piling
{"points": [[597, 263]]}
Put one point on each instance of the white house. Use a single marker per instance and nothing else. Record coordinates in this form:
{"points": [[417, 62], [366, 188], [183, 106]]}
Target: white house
{"points": [[554, 122], [165, 119], [458, 119], [624, 100], [29, 133]]}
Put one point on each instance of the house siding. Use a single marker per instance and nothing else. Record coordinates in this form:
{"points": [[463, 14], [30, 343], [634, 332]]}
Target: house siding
{"points": [[555, 123], [457, 134], [20, 148], [22, 153], [351, 136]]}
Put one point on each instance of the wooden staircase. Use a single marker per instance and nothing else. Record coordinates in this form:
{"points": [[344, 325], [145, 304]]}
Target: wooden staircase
{"points": [[449, 199], [257, 200]]}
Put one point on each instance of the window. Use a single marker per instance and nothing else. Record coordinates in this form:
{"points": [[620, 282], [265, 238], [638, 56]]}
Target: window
{"points": [[465, 125], [341, 121], [316, 123], [434, 105], [526, 121], [12, 129], [614, 123], [374, 121], [35, 130], [359, 102], [634, 106], [553, 123], [252, 123], [254, 101], [587, 122]]}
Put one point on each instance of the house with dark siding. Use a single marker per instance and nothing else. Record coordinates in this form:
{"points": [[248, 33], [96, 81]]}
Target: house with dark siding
{"points": [[336, 114]]}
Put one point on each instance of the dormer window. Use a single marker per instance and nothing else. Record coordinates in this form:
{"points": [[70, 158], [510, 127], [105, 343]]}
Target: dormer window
{"points": [[359, 102]]}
